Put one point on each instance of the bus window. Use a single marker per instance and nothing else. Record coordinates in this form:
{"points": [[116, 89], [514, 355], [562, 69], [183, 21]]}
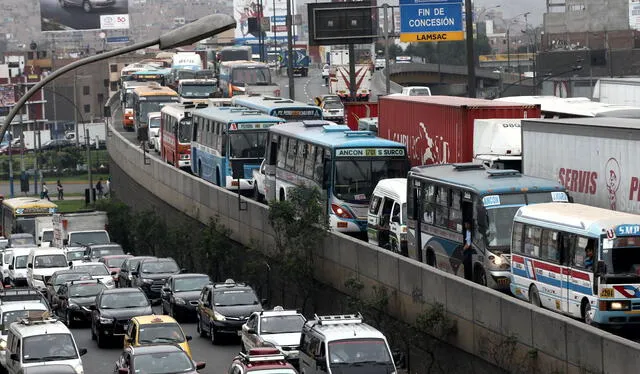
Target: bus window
{"points": [[319, 167], [532, 241], [309, 162], [516, 242], [302, 151], [282, 152], [291, 155], [549, 248]]}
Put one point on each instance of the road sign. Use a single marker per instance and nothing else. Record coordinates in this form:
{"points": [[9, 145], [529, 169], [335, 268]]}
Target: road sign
{"points": [[117, 39], [426, 21]]}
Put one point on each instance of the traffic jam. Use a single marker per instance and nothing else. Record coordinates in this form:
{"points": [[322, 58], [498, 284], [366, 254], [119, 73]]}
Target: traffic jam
{"points": [[483, 189]]}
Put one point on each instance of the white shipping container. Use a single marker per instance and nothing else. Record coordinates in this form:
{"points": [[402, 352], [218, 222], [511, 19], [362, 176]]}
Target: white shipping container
{"points": [[596, 159], [620, 91]]}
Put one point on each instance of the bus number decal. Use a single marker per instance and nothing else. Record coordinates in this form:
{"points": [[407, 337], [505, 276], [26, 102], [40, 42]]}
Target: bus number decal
{"points": [[560, 197], [491, 200], [370, 152], [606, 292]]}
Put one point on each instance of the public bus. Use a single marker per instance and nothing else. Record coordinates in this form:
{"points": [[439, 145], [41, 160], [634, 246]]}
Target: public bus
{"points": [[578, 260], [345, 165], [236, 77], [175, 133], [126, 71], [574, 107], [150, 99], [18, 214], [287, 109], [442, 198], [126, 97], [228, 143]]}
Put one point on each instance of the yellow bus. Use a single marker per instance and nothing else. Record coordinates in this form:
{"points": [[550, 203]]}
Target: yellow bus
{"points": [[149, 99], [18, 214]]}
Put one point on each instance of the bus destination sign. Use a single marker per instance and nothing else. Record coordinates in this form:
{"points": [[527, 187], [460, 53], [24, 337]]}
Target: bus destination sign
{"points": [[307, 113], [627, 230], [370, 152], [34, 210], [250, 126]]}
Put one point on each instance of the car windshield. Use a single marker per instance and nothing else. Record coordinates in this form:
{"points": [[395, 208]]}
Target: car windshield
{"points": [[247, 144], [21, 262], [190, 284], [281, 324], [197, 91], [115, 262], [86, 290], [161, 333], [99, 252], [89, 237], [163, 363], [50, 261], [13, 315], [75, 255], [157, 267], [22, 240], [154, 122], [61, 279], [47, 236], [355, 179], [366, 351], [234, 297], [123, 300], [95, 270], [251, 76], [48, 347], [184, 130]]}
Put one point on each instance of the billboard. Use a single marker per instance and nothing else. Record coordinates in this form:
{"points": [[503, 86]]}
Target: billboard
{"points": [[275, 11], [7, 96], [69, 15], [634, 14]]}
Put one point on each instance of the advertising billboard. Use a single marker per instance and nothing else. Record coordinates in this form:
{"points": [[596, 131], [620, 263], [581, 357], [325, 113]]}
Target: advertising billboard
{"points": [[68, 15], [275, 11], [634, 14], [7, 96]]}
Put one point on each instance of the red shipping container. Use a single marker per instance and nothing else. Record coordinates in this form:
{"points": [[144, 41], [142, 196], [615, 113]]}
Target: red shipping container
{"points": [[439, 129], [355, 110]]}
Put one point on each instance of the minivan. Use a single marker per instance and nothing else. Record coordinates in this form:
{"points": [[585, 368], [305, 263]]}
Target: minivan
{"points": [[42, 263], [18, 266], [387, 217]]}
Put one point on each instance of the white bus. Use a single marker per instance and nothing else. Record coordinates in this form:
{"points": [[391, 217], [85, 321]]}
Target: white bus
{"points": [[578, 260]]}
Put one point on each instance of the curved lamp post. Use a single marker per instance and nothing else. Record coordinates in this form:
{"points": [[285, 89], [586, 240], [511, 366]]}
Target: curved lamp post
{"points": [[188, 34]]}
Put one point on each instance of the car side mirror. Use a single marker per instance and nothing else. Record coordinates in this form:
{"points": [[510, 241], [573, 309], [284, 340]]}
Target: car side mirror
{"points": [[14, 357], [30, 266], [200, 365], [188, 338], [65, 241], [70, 263], [264, 301], [82, 351], [10, 267]]}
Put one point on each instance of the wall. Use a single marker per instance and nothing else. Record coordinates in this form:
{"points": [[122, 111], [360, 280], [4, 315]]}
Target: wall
{"points": [[487, 320], [588, 15]]}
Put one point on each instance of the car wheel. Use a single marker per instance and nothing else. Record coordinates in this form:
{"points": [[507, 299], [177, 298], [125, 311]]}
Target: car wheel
{"points": [[86, 5], [199, 328], [93, 331], [212, 335], [68, 320]]}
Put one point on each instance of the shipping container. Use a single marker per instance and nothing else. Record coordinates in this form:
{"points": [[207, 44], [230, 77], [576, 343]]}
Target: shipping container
{"points": [[439, 129], [594, 158], [620, 91], [353, 111]]}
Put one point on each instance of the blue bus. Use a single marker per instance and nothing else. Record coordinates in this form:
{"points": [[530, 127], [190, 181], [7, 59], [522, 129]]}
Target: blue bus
{"points": [[287, 109], [345, 165], [442, 198], [228, 143]]}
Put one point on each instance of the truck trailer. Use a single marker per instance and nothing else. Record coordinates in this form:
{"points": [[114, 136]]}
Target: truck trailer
{"points": [[594, 158], [77, 229], [620, 91], [497, 143], [440, 129]]}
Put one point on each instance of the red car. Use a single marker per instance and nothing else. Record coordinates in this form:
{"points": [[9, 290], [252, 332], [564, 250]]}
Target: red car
{"points": [[261, 360], [114, 263], [15, 150]]}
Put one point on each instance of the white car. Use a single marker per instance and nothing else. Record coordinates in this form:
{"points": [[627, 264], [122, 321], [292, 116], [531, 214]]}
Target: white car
{"points": [[276, 328], [325, 71], [75, 255], [98, 270], [18, 267], [42, 263], [258, 183]]}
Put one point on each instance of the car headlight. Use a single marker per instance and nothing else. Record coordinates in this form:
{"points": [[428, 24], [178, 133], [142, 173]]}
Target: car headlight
{"points": [[148, 281], [620, 305], [106, 320], [78, 369], [180, 301], [218, 317]]}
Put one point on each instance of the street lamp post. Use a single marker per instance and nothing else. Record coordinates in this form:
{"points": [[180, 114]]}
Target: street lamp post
{"points": [[188, 34]]}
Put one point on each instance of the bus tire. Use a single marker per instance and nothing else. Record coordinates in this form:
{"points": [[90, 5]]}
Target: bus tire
{"points": [[218, 177], [534, 296], [585, 309], [431, 257], [479, 275]]}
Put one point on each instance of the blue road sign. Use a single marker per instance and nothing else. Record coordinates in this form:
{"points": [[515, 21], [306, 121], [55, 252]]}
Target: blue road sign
{"points": [[426, 18], [279, 19], [413, 2], [118, 39]]}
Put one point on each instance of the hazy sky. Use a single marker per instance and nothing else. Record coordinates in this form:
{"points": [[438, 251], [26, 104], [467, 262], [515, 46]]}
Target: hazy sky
{"points": [[511, 8]]}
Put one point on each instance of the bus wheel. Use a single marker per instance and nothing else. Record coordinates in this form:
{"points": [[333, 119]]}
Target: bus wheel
{"points": [[431, 257], [479, 275], [587, 314], [218, 177], [534, 296]]}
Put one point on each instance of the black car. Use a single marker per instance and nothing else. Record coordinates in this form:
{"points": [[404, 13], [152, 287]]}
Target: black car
{"points": [[224, 307], [93, 252], [180, 294], [74, 300], [151, 275], [56, 144], [113, 310], [129, 265], [61, 277]]}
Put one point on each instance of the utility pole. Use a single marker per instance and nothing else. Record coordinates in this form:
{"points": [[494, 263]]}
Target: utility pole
{"points": [[275, 34], [87, 142], [387, 79], [471, 68], [36, 145], [292, 89], [75, 103], [508, 51], [352, 73]]}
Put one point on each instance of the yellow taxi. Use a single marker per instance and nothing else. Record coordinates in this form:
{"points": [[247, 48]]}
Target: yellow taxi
{"points": [[155, 329]]}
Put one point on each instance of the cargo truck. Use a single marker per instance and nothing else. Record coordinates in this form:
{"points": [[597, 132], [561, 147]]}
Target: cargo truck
{"points": [[44, 231], [440, 129], [97, 132], [340, 81], [77, 229], [620, 91], [594, 158], [497, 143], [29, 138], [300, 62]]}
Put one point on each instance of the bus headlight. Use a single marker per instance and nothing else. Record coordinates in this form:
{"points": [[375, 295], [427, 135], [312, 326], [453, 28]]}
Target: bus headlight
{"points": [[620, 305]]}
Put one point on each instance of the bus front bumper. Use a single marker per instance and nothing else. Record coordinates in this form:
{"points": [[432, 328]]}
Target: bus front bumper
{"points": [[347, 225], [499, 279], [232, 184]]}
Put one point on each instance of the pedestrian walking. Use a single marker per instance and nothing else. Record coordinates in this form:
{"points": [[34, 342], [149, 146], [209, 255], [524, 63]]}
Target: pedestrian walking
{"points": [[44, 194], [60, 190], [107, 190], [99, 188]]}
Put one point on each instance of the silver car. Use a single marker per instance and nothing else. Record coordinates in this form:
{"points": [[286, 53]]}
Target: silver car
{"points": [[88, 5]]}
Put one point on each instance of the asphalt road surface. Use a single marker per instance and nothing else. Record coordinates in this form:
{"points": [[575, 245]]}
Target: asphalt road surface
{"points": [[55, 17], [102, 360]]}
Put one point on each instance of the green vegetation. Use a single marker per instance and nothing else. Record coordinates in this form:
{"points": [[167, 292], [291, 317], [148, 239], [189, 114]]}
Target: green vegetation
{"points": [[71, 206], [56, 164]]}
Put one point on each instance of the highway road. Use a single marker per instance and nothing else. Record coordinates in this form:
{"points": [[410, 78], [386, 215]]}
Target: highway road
{"points": [[102, 361]]}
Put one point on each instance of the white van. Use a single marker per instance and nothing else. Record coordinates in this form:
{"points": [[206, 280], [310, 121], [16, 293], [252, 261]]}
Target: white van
{"points": [[5, 261], [42, 263], [18, 266], [41, 337], [387, 217], [343, 344]]}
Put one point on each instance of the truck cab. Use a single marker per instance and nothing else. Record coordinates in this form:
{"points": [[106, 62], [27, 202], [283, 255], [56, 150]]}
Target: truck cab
{"points": [[416, 91], [497, 143]]}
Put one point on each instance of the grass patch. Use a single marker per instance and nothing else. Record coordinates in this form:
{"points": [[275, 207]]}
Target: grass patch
{"points": [[71, 206], [77, 178]]}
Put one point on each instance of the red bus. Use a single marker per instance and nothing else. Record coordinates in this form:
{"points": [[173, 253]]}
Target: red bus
{"points": [[175, 133]]}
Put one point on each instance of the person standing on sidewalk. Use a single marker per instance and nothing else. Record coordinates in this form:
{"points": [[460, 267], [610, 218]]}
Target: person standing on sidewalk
{"points": [[99, 188], [60, 190], [45, 192]]}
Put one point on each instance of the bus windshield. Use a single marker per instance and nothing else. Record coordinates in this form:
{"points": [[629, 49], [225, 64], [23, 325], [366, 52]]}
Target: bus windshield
{"points": [[26, 225], [251, 76], [234, 55], [355, 179], [153, 104], [184, 130], [128, 99], [197, 90], [247, 144], [623, 258]]}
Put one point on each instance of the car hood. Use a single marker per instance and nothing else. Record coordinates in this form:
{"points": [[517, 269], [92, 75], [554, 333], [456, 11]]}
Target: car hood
{"points": [[126, 312], [364, 369], [47, 271], [156, 276], [284, 339], [84, 301], [237, 311], [188, 295]]}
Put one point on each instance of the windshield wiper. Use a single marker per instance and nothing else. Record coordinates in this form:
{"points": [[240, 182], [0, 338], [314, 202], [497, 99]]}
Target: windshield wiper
{"points": [[57, 357], [361, 363]]}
